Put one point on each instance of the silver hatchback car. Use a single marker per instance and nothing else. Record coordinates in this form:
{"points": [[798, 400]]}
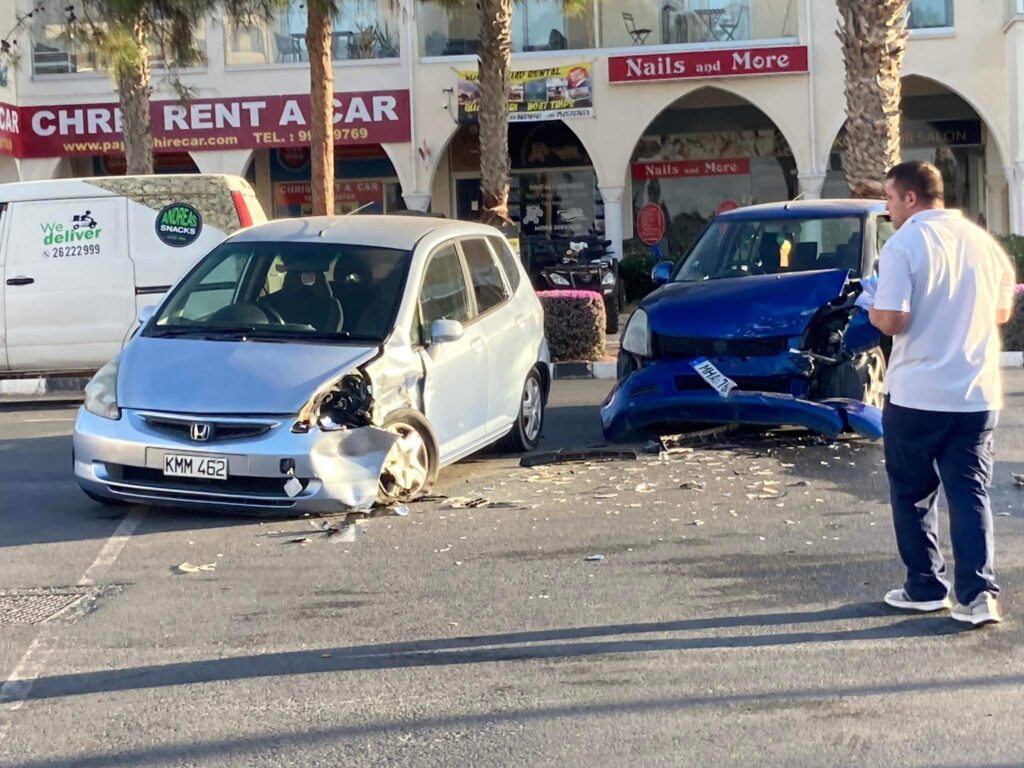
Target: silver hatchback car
{"points": [[317, 365]]}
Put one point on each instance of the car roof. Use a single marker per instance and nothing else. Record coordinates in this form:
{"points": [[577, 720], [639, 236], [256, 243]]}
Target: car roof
{"points": [[402, 232], [61, 189], [802, 209]]}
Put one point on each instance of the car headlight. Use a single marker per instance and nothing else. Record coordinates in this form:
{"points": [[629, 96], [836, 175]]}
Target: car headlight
{"points": [[101, 392], [608, 279], [637, 338], [557, 279]]}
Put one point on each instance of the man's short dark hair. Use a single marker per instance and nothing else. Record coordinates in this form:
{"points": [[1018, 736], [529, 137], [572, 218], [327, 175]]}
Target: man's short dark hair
{"points": [[923, 179]]}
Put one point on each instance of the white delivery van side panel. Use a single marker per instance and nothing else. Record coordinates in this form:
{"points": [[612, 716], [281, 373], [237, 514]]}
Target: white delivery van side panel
{"points": [[73, 298], [4, 218]]}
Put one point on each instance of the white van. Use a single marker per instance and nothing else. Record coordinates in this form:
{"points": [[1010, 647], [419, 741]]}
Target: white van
{"points": [[80, 258]]}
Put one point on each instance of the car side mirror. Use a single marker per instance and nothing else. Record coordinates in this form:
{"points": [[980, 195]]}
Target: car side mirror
{"points": [[446, 331], [662, 272], [146, 314]]}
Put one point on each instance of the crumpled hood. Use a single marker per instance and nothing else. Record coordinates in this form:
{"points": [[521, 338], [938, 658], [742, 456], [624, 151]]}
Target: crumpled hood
{"points": [[220, 377], [754, 306]]}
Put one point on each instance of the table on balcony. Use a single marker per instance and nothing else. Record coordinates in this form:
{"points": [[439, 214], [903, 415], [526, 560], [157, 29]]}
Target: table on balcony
{"points": [[709, 18]]}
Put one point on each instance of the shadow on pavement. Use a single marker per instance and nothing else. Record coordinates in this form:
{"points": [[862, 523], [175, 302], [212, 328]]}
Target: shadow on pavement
{"points": [[519, 646]]}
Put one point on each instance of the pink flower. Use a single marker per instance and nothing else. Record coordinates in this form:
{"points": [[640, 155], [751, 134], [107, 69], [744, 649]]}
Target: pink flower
{"points": [[1019, 289], [570, 294]]}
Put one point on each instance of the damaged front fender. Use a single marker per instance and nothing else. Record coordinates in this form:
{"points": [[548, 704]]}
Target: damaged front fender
{"points": [[349, 463]]}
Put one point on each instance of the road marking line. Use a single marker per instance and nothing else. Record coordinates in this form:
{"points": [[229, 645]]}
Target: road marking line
{"points": [[16, 689], [45, 421]]}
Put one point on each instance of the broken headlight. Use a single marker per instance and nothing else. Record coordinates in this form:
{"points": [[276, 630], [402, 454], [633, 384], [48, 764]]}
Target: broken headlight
{"points": [[348, 404]]}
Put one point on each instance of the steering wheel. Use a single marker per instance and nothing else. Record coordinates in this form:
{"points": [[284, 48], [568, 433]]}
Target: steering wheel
{"points": [[272, 314]]}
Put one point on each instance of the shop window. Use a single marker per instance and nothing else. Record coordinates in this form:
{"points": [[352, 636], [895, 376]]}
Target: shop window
{"points": [[54, 53], [444, 295], [930, 14], [488, 286], [363, 29]]}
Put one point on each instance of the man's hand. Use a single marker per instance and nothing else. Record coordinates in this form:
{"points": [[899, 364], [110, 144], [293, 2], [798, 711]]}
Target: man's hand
{"points": [[1003, 316], [889, 321]]}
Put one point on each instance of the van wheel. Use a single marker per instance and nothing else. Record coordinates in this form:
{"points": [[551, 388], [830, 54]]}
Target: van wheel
{"points": [[860, 379], [526, 432], [411, 466]]}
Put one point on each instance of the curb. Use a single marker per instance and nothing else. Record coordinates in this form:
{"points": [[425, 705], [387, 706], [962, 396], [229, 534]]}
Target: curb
{"points": [[600, 370], [1012, 360], [70, 386]]}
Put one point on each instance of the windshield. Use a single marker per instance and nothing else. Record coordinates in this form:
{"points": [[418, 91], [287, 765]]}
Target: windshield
{"points": [[303, 291], [774, 246]]}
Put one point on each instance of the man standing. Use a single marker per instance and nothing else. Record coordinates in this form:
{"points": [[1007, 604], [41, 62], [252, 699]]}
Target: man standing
{"points": [[944, 287]]}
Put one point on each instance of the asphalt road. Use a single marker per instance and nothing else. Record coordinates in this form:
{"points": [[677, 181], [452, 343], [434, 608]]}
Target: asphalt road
{"points": [[737, 624]]}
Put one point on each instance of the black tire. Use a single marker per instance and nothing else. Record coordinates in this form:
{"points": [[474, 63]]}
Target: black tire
{"points": [[389, 489], [526, 432], [611, 313], [102, 500], [859, 379]]}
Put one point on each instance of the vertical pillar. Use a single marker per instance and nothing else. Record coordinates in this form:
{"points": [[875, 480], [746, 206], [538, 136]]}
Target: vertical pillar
{"points": [[43, 168], [1015, 178], [997, 212], [416, 201], [612, 198], [811, 185], [230, 161]]}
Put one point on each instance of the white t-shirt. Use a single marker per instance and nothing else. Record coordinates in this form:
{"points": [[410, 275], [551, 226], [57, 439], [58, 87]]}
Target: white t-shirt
{"points": [[952, 277]]}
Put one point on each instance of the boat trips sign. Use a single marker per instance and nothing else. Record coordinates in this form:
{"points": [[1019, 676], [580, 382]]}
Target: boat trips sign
{"points": [[535, 94], [368, 117]]}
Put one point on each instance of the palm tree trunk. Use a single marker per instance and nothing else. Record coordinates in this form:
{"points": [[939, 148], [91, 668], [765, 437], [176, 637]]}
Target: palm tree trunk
{"points": [[133, 88], [321, 106], [495, 62], [873, 34]]}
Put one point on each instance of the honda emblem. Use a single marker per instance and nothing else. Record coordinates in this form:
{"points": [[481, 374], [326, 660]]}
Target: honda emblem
{"points": [[201, 432]]}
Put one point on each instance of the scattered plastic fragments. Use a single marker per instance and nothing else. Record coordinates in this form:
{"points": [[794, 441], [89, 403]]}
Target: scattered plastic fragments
{"points": [[1018, 479], [568, 457], [693, 485], [645, 488], [593, 558], [187, 567]]}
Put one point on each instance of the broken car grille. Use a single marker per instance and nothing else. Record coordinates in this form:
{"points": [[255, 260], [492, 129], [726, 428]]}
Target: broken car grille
{"points": [[687, 347], [155, 480], [779, 385]]}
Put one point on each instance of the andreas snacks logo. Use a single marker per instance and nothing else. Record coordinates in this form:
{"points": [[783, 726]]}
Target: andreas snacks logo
{"points": [[178, 224]]}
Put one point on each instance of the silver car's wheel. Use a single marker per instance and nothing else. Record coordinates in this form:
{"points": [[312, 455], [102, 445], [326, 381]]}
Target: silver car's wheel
{"points": [[874, 387], [406, 472]]}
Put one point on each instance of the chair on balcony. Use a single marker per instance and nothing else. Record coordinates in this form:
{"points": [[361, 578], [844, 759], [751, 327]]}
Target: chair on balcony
{"points": [[731, 21], [639, 35], [288, 48]]}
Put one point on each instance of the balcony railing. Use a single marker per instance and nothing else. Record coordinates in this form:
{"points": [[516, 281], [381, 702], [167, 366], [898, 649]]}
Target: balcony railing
{"points": [[363, 30]]}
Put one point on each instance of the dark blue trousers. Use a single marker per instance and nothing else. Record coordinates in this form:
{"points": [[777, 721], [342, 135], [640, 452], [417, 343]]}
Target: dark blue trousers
{"points": [[923, 448]]}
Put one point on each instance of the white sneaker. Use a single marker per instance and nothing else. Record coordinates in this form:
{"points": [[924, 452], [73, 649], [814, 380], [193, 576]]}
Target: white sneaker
{"points": [[898, 598], [983, 610]]}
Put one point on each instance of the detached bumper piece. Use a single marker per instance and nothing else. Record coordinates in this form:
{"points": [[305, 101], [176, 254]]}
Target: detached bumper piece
{"points": [[652, 397]]}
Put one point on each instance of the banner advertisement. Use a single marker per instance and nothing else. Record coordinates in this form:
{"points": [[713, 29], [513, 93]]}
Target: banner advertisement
{"points": [[295, 198], [555, 93]]}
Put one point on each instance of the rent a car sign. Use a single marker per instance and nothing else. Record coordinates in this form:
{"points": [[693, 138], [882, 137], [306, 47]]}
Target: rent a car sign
{"points": [[368, 117], [742, 62]]}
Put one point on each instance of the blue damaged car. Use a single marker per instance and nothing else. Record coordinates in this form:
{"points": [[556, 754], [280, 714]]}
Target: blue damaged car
{"points": [[758, 324]]}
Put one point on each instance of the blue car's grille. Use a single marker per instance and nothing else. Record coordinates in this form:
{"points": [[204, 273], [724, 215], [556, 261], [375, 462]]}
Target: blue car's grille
{"points": [[689, 347]]}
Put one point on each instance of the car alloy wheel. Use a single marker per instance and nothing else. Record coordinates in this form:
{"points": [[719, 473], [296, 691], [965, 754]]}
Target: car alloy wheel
{"points": [[406, 470], [533, 409]]}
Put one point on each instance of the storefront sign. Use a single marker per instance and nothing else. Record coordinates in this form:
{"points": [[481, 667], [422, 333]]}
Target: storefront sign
{"points": [[742, 62], [650, 223], [556, 205], [295, 198], [686, 168], [535, 94], [372, 117], [727, 205]]}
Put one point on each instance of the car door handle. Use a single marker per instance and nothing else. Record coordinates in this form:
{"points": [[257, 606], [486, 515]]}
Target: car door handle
{"points": [[21, 281]]}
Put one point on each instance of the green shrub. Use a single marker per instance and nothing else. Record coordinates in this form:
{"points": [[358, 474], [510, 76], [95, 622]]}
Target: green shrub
{"points": [[1014, 245], [635, 273], [1013, 331], [574, 324]]}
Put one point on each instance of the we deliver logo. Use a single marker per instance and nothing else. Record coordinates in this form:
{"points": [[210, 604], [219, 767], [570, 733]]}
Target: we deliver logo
{"points": [[83, 227]]}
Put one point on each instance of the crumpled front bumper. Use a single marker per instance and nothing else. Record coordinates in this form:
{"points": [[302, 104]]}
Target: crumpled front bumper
{"points": [[650, 397], [339, 470]]}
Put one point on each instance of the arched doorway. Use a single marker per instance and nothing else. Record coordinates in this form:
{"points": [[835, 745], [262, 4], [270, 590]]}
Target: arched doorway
{"points": [[553, 195], [709, 151], [939, 127], [364, 180]]}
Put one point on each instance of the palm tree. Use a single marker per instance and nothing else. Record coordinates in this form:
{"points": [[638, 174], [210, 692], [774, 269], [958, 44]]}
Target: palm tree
{"points": [[320, 15], [127, 35], [873, 34]]}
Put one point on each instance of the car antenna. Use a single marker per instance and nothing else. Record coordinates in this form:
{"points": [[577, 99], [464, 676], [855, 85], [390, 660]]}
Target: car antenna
{"points": [[800, 195], [336, 219]]}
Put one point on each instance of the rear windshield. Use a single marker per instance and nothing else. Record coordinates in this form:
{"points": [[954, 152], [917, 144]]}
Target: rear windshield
{"points": [[774, 246], [288, 290]]}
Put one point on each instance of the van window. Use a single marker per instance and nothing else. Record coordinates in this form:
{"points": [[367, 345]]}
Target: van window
{"points": [[444, 295], [485, 274], [508, 260]]}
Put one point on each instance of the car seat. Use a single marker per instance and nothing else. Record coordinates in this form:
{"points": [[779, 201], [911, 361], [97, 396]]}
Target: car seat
{"points": [[313, 305], [805, 257], [353, 285]]}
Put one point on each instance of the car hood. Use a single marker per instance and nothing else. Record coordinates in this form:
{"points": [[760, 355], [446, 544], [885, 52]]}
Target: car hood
{"points": [[759, 305], [237, 377]]}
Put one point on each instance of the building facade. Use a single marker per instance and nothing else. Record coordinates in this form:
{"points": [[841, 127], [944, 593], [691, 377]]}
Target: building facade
{"points": [[692, 105]]}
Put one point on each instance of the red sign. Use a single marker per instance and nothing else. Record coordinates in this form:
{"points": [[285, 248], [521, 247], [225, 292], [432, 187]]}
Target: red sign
{"points": [[650, 223], [678, 169], [741, 62], [296, 198], [246, 122], [727, 205]]}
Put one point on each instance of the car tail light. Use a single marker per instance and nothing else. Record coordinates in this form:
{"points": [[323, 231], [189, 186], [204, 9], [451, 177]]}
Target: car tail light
{"points": [[244, 216]]}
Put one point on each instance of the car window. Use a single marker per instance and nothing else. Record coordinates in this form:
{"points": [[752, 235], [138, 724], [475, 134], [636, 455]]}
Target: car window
{"points": [[444, 295], [488, 285], [885, 231], [774, 246], [216, 289], [508, 260]]}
